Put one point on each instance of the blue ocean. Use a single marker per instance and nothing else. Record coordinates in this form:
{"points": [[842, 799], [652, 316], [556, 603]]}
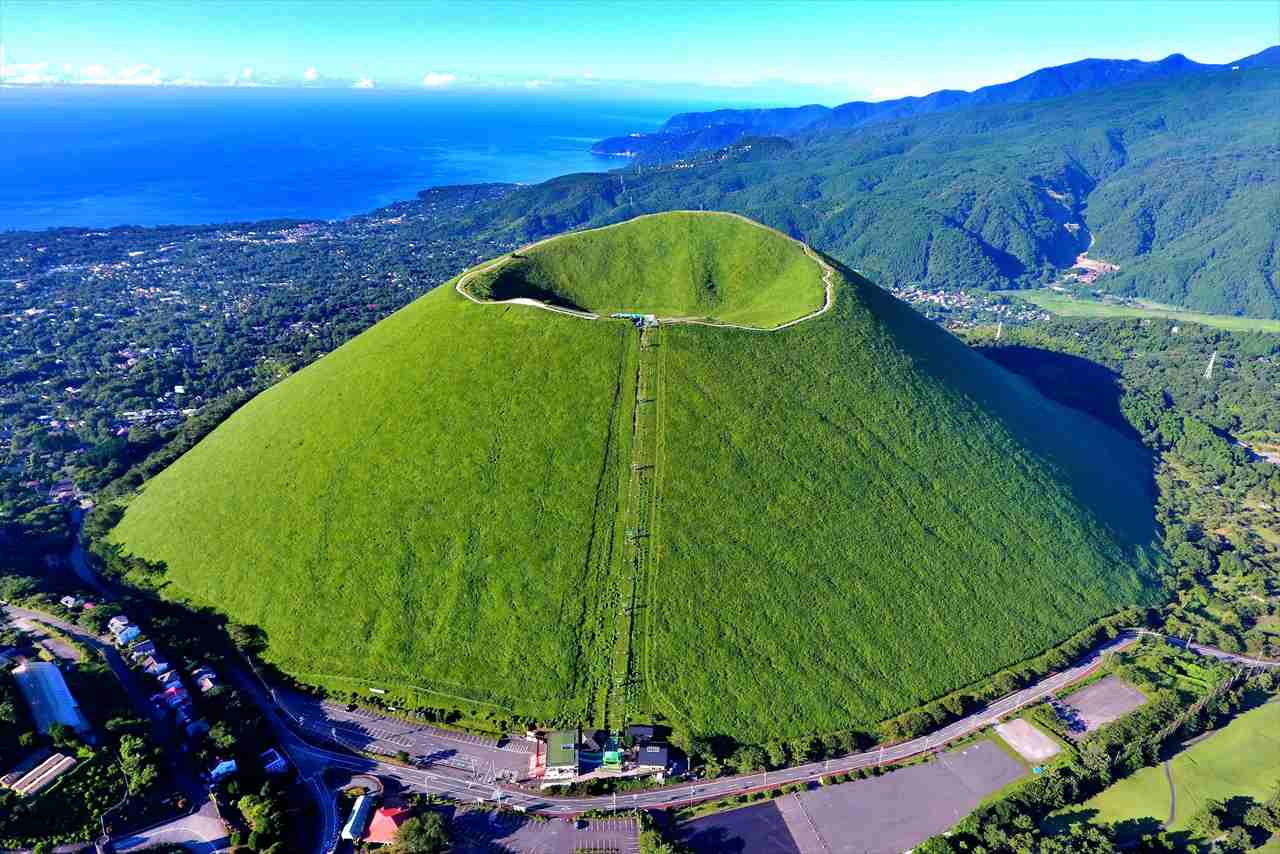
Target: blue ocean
{"points": [[100, 157]]}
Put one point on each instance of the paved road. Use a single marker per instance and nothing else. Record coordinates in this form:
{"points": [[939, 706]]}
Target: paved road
{"points": [[446, 781], [312, 759], [202, 832], [139, 694], [56, 647]]}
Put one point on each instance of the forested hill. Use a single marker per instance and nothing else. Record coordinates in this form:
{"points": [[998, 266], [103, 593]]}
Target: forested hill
{"points": [[687, 133], [1175, 178]]}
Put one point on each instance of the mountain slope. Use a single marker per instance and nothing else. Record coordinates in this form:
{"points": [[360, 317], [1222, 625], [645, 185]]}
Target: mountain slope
{"points": [[688, 133], [1175, 178], [819, 526]]}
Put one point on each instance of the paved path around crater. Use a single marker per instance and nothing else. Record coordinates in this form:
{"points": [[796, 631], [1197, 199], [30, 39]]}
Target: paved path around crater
{"points": [[828, 287]]}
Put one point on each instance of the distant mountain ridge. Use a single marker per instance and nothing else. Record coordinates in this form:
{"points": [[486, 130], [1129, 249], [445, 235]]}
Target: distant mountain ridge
{"points": [[687, 133]]}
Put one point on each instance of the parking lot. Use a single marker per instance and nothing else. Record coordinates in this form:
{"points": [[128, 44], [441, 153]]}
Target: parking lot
{"points": [[479, 831], [882, 815], [1101, 703]]}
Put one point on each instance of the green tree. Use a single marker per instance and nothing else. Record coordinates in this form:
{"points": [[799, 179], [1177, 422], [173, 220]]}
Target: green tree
{"points": [[423, 834], [748, 758], [139, 761], [778, 754], [262, 814]]}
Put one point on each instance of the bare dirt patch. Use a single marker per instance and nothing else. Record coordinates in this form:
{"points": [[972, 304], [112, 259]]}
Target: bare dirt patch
{"points": [[1031, 744]]}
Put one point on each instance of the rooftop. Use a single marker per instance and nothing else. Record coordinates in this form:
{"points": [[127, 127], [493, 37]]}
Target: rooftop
{"points": [[562, 748], [48, 696]]}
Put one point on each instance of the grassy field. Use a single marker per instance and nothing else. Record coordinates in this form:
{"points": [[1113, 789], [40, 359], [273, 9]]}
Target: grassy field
{"points": [[848, 516], [726, 269], [861, 491], [1241, 759], [427, 504], [1073, 307]]}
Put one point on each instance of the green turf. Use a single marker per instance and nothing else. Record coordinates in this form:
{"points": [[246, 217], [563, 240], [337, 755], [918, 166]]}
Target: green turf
{"points": [[859, 513], [1242, 759], [418, 505], [685, 264], [851, 515], [1077, 307]]}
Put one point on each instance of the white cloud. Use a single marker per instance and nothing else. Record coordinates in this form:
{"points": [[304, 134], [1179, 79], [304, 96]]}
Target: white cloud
{"points": [[439, 79], [94, 72], [247, 74], [311, 75], [27, 73], [141, 75], [363, 83], [535, 84]]}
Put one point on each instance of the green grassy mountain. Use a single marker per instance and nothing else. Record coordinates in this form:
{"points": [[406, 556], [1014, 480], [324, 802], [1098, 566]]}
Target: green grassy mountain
{"points": [[1175, 178], [751, 532], [707, 270]]}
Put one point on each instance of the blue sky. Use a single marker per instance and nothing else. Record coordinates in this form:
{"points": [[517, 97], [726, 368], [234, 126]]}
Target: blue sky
{"points": [[733, 52]]}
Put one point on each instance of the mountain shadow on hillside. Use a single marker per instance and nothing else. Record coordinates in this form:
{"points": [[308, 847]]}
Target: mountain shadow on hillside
{"points": [[1070, 380]]}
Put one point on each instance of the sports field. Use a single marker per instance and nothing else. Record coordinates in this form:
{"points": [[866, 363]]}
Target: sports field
{"points": [[1075, 307], [1241, 759]]}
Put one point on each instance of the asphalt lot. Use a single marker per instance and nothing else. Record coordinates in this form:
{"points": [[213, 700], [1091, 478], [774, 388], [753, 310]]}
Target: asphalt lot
{"points": [[728, 833], [481, 758], [479, 831], [882, 815], [56, 647], [1101, 703], [201, 832]]}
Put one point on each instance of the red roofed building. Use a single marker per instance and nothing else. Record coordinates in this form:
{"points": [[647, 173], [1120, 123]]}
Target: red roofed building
{"points": [[386, 824]]}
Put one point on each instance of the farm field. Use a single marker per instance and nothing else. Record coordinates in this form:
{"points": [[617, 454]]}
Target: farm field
{"points": [[448, 505], [1075, 307], [1243, 758]]}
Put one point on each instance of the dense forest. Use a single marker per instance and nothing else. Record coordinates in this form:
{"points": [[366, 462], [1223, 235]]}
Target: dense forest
{"points": [[1215, 432], [1175, 179]]}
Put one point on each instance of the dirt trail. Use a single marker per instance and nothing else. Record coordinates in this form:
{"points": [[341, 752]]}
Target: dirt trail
{"points": [[1173, 796]]}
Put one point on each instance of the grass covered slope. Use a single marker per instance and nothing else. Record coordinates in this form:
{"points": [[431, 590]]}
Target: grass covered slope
{"points": [[858, 514], [416, 506], [844, 517], [682, 264]]}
